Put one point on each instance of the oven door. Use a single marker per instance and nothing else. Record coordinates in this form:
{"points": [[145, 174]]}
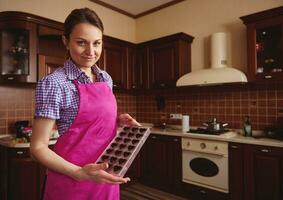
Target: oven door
{"points": [[205, 169]]}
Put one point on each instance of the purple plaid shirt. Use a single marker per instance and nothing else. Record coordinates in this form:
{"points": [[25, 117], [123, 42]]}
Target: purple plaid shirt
{"points": [[58, 98]]}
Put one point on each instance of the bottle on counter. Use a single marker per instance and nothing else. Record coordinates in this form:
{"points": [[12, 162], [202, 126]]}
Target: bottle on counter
{"points": [[247, 127]]}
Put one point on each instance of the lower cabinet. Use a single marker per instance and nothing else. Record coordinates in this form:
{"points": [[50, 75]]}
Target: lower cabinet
{"points": [[256, 172], [21, 177], [161, 163]]}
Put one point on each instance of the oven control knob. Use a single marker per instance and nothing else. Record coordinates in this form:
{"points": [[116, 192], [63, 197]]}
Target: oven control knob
{"points": [[216, 148], [202, 145]]}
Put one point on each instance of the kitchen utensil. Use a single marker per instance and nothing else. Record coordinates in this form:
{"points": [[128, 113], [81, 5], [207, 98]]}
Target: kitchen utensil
{"points": [[122, 150], [214, 125]]}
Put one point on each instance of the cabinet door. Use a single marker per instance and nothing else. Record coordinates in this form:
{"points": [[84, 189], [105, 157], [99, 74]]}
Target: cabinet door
{"points": [[50, 42], [18, 51], [143, 73], [264, 173], [134, 170], [236, 171], [265, 44], [22, 176], [132, 69], [162, 62], [48, 64], [161, 162], [113, 60]]}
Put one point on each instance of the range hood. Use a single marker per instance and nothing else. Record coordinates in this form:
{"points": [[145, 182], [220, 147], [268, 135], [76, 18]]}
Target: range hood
{"points": [[220, 72]]}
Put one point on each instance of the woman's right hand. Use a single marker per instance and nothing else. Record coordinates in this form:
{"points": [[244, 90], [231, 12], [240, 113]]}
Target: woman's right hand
{"points": [[96, 172]]}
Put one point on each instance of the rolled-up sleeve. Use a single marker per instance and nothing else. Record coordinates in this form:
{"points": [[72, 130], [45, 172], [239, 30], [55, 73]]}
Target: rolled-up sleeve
{"points": [[48, 98]]}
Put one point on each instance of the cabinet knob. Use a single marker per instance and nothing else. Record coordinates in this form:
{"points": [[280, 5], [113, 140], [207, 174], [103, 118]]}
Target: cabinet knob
{"points": [[265, 150], [153, 137], [234, 147], [114, 85], [20, 152], [267, 76], [162, 84], [133, 86], [202, 191], [175, 140], [202, 145]]}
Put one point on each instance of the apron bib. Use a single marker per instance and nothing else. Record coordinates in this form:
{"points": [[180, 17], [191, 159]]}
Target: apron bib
{"points": [[92, 130]]}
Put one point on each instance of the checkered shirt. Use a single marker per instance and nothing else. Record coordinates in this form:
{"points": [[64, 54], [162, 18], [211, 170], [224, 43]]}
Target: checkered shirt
{"points": [[57, 97]]}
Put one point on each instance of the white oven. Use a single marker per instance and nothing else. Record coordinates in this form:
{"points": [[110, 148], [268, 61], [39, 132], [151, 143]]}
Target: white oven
{"points": [[205, 163]]}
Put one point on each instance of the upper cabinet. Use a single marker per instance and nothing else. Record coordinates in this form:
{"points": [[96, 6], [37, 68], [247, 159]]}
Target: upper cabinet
{"points": [[24, 39], [265, 44], [164, 60], [17, 49]]}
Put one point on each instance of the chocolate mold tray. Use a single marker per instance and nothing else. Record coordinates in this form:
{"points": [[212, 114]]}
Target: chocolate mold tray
{"points": [[123, 149]]}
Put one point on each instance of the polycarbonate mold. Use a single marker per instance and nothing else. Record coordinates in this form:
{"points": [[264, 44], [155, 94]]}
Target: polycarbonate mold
{"points": [[123, 149]]}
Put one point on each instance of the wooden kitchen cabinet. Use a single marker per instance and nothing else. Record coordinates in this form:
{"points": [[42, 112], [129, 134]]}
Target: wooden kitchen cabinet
{"points": [[161, 163], [165, 60], [116, 59], [23, 37], [17, 48], [265, 44], [261, 168], [21, 177]]}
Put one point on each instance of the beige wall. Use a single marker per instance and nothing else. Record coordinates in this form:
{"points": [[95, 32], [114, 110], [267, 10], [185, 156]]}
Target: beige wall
{"points": [[201, 18], [116, 25]]}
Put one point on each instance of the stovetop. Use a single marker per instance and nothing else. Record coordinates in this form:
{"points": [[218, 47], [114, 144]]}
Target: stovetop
{"points": [[207, 131]]}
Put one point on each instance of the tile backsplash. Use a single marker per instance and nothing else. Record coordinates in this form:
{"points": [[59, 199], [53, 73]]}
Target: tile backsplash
{"points": [[229, 103]]}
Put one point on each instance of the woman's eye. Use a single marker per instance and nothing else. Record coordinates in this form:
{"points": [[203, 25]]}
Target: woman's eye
{"points": [[96, 44], [81, 43]]}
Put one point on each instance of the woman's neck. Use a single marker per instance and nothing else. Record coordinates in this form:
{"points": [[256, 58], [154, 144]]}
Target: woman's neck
{"points": [[89, 73]]}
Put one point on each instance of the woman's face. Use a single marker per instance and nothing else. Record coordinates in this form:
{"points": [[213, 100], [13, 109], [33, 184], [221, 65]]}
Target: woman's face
{"points": [[85, 44]]}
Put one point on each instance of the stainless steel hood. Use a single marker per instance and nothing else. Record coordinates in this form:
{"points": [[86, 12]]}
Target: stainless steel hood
{"points": [[220, 72]]}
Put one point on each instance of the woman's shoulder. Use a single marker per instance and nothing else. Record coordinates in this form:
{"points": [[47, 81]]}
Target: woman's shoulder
{"points": [[58, 76]]}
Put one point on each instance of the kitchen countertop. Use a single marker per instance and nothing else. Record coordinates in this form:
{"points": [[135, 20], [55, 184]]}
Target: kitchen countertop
{"points": [[233, 136], [8, 141]]}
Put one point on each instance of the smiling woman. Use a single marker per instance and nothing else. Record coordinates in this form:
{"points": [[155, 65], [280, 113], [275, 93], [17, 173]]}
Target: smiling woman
{"points": [[78, 97]]}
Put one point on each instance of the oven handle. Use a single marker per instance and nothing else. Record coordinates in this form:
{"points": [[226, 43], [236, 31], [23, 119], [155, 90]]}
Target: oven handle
{"points": [[207, 152]]}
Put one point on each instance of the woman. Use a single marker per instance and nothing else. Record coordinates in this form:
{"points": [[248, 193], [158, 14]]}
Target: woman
{"points": [[78, 98]]}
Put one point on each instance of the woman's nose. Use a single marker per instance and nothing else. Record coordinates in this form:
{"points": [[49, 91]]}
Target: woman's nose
{"points": [[90, 50]]}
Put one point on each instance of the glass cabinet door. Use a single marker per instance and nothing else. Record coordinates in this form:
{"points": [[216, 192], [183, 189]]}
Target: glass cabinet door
{"points": [[15, 52], [269, 49], [18, 51]]}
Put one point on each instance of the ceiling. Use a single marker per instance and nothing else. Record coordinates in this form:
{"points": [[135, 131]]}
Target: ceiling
{"points": [[136, 8]]}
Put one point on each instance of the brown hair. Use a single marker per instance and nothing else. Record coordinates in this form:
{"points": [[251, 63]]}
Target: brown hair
{"points": [[82, 15]]}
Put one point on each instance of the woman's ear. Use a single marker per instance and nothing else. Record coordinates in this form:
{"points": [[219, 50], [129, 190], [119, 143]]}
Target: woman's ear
{"points": [[65, 41]]}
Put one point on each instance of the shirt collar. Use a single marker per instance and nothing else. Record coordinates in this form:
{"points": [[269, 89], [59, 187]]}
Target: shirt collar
{"points": [[74, 73]]}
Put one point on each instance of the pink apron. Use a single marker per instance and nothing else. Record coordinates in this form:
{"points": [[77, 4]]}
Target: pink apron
{"points": [[93, 128]]}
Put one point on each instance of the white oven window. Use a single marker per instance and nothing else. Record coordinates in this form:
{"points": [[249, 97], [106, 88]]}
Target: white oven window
{"points": [[206, 170]]}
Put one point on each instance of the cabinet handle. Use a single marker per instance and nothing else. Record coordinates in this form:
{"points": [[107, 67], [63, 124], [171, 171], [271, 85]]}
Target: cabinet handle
{"points": [[267, 76], [162, 84], [20, 152], [234, 147], [175, 140], [265, 150], [153, 137], [11, 78], [202, 191]]}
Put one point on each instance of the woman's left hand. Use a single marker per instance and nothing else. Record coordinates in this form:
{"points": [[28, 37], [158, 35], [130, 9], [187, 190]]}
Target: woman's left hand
{"points": [[126, 119]]}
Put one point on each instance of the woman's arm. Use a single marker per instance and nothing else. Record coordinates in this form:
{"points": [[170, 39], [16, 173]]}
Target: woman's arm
{"points": [[42, 129]]}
